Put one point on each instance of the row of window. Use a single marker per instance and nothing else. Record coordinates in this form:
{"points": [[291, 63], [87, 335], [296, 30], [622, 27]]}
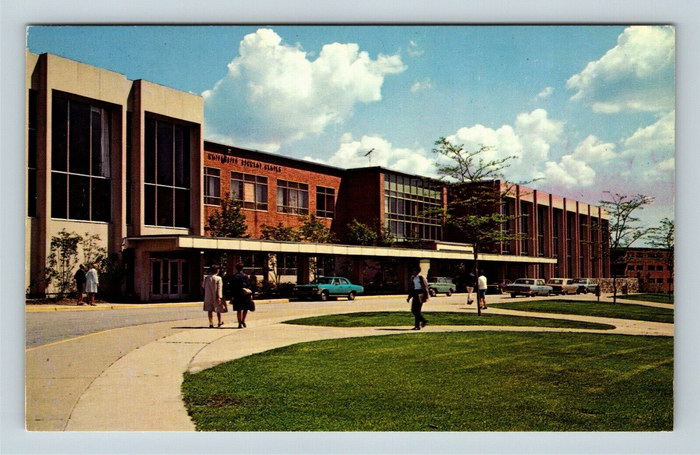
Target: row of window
{"points": [[251, 191], [649, 268]]}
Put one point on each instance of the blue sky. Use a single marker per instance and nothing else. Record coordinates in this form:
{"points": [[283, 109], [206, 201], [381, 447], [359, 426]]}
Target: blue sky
{"points": [[585, 108]]}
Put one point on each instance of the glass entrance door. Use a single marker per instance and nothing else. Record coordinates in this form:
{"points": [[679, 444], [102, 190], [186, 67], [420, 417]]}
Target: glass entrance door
{"points": [[169, 279]]}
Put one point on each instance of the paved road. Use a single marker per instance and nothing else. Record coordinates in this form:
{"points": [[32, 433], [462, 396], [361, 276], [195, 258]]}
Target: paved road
{"points": [[50, 326]]}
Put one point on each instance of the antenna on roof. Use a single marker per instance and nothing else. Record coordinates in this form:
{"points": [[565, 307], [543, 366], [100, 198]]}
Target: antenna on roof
{"points": [[369, 155]]}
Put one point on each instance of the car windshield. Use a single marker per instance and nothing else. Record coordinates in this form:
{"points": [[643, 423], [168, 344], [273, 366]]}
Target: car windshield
{"points": [[554, 281], [322, 280], [523, 281]]}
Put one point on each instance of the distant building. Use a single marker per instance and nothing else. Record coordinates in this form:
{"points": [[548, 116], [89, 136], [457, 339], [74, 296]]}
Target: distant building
{"points": [[126, 160], [651, 266]]}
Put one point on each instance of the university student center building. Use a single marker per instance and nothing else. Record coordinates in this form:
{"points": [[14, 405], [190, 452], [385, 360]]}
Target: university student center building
{"points": [[127, 161]]}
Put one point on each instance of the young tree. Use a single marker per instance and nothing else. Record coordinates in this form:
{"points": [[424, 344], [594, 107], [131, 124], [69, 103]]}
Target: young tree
{"points": [[280, 232], [369, 235], [229, 221], [622, 229], [477, 192], [664, 237], [61, 261], [313, 230], [93, 252]]}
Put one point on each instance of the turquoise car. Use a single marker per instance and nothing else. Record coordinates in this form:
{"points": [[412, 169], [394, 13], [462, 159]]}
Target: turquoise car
{"points": [[441, 285], [324, 287]]}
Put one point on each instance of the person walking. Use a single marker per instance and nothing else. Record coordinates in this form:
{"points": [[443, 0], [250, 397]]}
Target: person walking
{"points": [[483, 286], [242, 296], [418, 293], [213, 296], [471, 284], [92, 282], [80, 279]]}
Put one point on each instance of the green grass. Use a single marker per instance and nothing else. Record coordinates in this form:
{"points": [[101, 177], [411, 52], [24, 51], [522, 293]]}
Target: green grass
{"points": [[588, 308], [655, 298], [399, 318], [477, 381]]}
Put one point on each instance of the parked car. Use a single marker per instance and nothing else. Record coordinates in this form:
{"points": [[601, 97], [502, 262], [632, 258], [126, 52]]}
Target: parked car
{"points": [[500, 287], [562, 286], [441, 284], [528, 286], [325, 286], [585, 285]]}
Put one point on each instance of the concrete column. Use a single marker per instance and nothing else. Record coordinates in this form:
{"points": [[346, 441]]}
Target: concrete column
{"points": [[142, 274]]}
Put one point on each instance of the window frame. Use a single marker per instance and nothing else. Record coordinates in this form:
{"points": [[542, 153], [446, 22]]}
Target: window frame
{"points": [[290, 190], [210, 175], [325, 194], [258, 181]]}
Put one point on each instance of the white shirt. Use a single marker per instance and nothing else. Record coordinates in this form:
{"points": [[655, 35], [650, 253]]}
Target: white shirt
{"points": [[482, 282], [416, 283]]}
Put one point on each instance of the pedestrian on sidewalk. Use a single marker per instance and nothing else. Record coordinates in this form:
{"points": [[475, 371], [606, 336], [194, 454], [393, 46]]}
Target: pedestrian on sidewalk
{"points": [[92, 282], [242, 296], [471, 284], [483, 286], [80, 279], [418, 293], [213, 296]]}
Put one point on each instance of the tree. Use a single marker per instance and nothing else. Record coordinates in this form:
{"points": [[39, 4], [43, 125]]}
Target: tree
{"points": [[369, 235], [93, 252], [622, 229], [61, 261], [281, 233], [664, 237], [229, 221], [313, 230], [477, 193]]}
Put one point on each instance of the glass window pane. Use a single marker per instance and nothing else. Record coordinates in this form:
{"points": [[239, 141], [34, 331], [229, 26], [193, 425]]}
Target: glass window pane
{"points": [[185, 280], [79, 197], [261, 193], [280, 196], [164, 206], [249, 192], [150, 204], [182, 156], [182, 208], [59, 191], [155, 278], [101, 199], [100, 143], [59, 134], [164, 145], [150, 151], [79, 137]]}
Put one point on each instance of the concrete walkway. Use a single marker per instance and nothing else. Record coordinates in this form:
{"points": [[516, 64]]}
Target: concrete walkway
{"points": [[130, 378]]}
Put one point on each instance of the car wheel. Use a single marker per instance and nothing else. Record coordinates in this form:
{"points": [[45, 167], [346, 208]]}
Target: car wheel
{"points": [[432, 292], [324, 296], [513, 295], [351, 295], [448, 293]]}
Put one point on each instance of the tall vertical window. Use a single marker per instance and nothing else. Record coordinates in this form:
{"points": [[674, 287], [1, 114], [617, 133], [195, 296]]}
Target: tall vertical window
{"points": [[81, 184], [541, 227], [212, 186], [249, 190], [31, 153], [292, 197], [129, 157], [411, 207], [525, 219], [325, 202], [167, 179]]}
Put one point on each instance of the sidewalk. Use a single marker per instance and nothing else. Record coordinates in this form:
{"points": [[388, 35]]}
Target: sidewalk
{"points": [[130, 378]]}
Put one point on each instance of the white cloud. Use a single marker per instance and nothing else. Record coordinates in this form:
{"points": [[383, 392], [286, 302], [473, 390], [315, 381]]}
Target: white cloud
{"points": [[576, 169], [351, 153], [274, 94], [414, 50], [425, 84], [649, 152], [638, 74], [545, 93]]}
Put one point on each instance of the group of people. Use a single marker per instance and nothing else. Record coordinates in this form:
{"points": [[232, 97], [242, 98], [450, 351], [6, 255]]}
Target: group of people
{"points": [[419, 293], [239, 289], [86, 281]]}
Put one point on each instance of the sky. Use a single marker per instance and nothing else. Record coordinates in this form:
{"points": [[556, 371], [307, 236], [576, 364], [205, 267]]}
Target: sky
{"points": [[584, 110]]}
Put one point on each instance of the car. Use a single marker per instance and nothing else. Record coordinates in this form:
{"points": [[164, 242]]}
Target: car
{"points": [[585, 285], [562, 286], [440, 284], [324, 287], [528, 286]]}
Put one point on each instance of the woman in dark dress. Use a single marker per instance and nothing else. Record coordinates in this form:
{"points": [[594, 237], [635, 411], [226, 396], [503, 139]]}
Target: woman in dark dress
{"points": [[242, 295]]}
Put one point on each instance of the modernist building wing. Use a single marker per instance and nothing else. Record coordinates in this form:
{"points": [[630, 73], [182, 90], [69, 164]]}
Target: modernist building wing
{"points": [[126, 161]]}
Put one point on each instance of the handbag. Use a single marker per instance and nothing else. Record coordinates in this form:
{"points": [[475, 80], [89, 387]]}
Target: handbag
{"points": [[247, 291], [223, 307], [252, 305]]}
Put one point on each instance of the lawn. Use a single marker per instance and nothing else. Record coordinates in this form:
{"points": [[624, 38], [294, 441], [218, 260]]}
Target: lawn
{"points": [[477, 381], [656, 298], [399, 318], [588, 308]]}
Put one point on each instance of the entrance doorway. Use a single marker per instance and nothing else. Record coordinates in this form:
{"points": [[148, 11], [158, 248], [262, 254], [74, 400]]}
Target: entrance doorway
{"points": [[170, 279]]}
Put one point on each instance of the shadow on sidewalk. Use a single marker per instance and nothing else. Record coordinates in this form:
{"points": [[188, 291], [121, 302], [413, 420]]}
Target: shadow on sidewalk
{"points": [[208, 328], [395, 330]]}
